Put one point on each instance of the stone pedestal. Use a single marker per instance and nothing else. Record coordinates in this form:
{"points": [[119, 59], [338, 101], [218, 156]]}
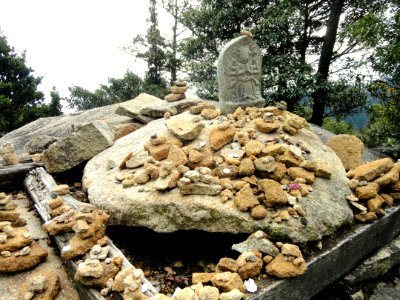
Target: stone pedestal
{"points": [[239, 75]]}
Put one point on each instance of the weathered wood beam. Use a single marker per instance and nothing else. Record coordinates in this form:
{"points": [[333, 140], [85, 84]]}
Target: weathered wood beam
{"points": [[39, 184]]}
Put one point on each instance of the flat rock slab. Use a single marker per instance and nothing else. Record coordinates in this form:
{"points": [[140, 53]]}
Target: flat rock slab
{"points": [[338, 257], [146, 108], [326, 208], [61, 126], [376, 265]]}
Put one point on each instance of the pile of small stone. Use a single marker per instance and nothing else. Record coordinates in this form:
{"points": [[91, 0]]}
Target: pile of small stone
{"points": [[18, 251], [375, 185], [41, 285], [130, 281], [234, 277], [99, 268], [235, 156], [9, 155], [178, 91], [88, 224]]}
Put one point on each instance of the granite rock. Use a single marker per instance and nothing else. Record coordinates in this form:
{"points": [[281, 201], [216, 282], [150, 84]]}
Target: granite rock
{"points": [[326, 208], [349, 148], [227, 281], [40, 143], [257, 241], [184, 127], [78, 147], [372, 170]]}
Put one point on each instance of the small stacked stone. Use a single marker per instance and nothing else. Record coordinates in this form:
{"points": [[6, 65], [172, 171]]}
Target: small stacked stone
{"points": [[177, 91], [257, 252], [18, 251], [41, 285], [375, 185], [9, 155], [8, 211]]}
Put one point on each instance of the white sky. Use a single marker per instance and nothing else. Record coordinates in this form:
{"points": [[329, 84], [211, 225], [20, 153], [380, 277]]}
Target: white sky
{"points": [[75, 42]]}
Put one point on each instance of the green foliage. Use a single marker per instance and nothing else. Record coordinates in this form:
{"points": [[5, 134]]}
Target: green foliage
{"points": [[117, 90], [288, 32], [20, 101], [151, 48], [337, 127], [380, 32], [383, 130], [344, 99]]}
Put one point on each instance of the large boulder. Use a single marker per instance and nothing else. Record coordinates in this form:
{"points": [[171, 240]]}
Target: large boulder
{"points": [[78, 147], [60, 126], [318, 213]]}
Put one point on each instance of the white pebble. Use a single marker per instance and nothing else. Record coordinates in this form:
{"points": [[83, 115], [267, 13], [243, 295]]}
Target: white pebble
{"points": [[226, 171], [250, 285]]}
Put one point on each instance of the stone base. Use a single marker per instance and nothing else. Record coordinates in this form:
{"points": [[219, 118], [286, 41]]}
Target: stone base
{"points": [[229, 107]]}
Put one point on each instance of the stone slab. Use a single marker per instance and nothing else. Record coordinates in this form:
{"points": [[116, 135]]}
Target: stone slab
{"points": [[60, 126], [338, 257], [239, 75], [326, 207], [376, 265]]}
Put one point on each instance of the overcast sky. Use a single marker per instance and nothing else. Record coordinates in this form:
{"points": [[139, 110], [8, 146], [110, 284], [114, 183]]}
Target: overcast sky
{"points": [[75, 42]]}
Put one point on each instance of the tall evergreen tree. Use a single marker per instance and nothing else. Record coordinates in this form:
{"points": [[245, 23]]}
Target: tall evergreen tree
{"points": [[19, 96]]}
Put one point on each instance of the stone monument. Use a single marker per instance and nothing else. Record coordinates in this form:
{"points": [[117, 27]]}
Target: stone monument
{"points": [[239, 74]]}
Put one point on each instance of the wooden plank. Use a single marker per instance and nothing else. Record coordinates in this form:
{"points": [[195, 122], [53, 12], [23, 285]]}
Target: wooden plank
{"points": [[39, 184]]}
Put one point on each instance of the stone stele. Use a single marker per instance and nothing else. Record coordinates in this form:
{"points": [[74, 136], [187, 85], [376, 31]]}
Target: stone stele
{"points": [[239, 74], [167, 211]]}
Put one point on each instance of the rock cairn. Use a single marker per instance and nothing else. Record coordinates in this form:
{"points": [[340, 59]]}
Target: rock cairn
{"points": [[9, 154], [375, 185], [41, 285], [235, 276], [267, 177], [88, 224], [178, 91], [18, 251]]}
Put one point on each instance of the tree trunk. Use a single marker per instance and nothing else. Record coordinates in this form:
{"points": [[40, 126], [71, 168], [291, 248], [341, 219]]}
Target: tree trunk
{"points": [[174, 43], [325, 58]]}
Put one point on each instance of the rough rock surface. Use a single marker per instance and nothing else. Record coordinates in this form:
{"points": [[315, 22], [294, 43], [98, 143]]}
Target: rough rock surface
{"points": [[325, 135], [376, 265], [325, 208], [40, 143], [349, 148], [386, 291], [257, 241], [12, 263], [60, 126], [145, 108], [90, 140], [44, 285]]}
